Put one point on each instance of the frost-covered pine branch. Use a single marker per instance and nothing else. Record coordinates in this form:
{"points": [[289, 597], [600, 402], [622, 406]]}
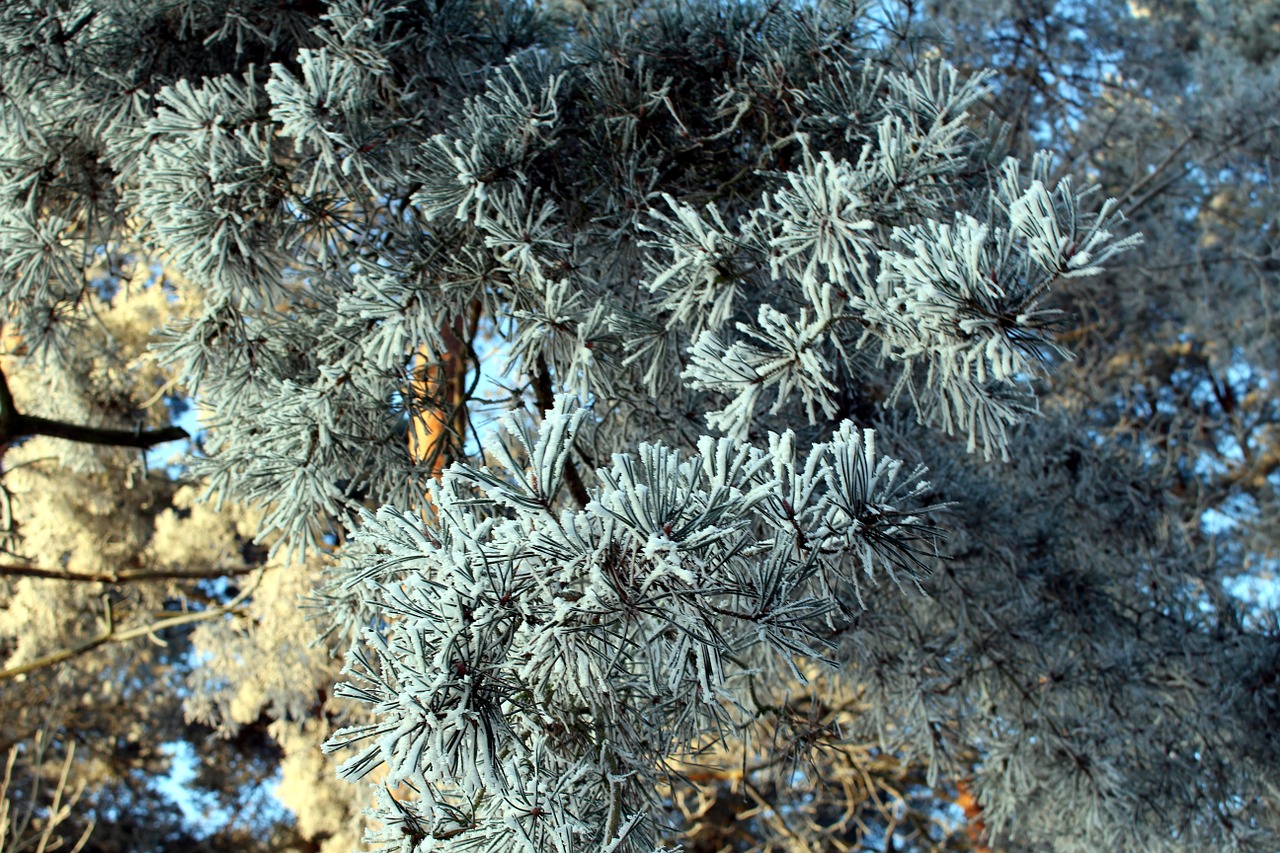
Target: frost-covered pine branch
{"points": [[784, 262], [522, 640]]}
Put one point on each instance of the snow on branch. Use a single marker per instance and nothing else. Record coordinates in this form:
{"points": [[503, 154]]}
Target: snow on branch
{"points": [[519, 636]]}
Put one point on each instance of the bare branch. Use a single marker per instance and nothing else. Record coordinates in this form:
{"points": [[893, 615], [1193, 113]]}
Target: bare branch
{"points": [[231, 608], [15, 425], [7, 569]]}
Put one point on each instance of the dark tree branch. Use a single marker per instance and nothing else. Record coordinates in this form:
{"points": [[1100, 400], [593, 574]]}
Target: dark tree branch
{"points": [[10, 570], [143, 438], [15, 425]]}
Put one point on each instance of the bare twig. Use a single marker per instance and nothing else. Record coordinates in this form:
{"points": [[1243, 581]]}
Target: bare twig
{"points": [[17, 813], [1137, 187], [1141, 201]]}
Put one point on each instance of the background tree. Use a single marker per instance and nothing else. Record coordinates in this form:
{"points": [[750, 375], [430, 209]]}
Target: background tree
{"points": [[778, 227], [126, 600]]}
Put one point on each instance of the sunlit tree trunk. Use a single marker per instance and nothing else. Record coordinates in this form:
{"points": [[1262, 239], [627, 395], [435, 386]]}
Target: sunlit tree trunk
{"points": [[438, 395]]}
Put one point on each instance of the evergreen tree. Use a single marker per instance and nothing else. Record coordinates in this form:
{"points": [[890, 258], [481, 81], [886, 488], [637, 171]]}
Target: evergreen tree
{"points": [[668, 409]]}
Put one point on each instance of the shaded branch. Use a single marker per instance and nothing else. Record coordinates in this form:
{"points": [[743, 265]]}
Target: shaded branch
{"points": [[11, 570], [25, 425], [1153, 192], [1159, 169], [15, 425]]}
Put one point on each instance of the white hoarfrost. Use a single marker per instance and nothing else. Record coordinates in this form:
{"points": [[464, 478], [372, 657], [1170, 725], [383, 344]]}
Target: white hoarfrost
{"points": [[519, 643]]}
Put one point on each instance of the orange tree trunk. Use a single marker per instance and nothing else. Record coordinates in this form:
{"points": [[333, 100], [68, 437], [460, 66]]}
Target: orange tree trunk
{"points": [[438, 394]]}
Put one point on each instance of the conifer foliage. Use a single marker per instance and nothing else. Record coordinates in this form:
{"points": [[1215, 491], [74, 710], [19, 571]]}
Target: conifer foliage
{"points": [[774, 311]]}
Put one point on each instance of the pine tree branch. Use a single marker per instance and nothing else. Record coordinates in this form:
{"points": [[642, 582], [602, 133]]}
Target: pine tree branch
{"points": [[1158, 170], [11, 570], [15, 425], [1234, 141]]}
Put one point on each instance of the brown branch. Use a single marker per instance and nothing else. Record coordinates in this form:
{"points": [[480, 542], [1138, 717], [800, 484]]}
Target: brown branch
{"points": [[976, 826], [11, 570], [15, 425], [111, 635], [1157, 171], [546, 402]]}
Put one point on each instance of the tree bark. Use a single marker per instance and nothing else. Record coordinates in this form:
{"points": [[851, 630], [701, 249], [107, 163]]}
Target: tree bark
{"points": [[438, 395]]}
